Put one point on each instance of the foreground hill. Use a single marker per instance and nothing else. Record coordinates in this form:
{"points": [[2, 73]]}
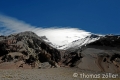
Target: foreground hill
{"points": [[26, 50]]}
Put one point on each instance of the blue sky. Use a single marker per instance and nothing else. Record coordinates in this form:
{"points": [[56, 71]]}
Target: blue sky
{"points": [[96, 16]]}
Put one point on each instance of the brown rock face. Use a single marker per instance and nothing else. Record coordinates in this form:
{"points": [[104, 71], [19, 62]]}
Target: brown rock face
{"points": [[26, 50]]}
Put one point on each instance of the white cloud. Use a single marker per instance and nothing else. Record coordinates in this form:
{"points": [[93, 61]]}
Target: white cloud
{"points": [[10, 25], [56, 35]]}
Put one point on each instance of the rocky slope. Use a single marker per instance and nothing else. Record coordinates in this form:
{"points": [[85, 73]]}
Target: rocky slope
{"points": [[26, 50], [100, 55]]}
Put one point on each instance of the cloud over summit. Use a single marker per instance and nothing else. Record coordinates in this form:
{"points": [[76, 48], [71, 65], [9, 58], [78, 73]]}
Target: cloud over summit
{"points": [[59, 36]]}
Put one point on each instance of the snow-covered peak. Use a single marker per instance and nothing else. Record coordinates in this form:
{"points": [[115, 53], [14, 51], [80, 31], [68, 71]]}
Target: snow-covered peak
{"points": [[75, 41], [83, 41], [58, 37], [63, 36]]}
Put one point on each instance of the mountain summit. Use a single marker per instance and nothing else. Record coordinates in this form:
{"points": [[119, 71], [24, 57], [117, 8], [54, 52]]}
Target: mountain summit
{"points": [[78, 42]]}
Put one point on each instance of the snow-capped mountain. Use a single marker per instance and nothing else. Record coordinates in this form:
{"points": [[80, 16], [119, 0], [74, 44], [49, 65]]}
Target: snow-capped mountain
{"points": [[78, 42], [83, 41]]}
